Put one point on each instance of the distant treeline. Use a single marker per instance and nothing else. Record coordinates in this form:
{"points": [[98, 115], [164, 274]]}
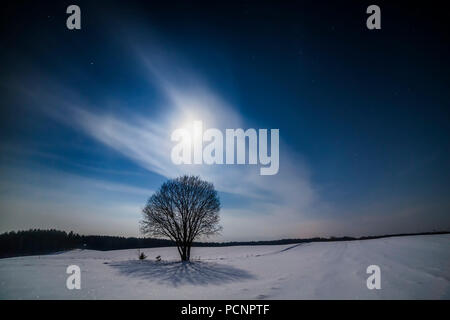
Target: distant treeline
{"points": [[32, 242], [36, 241]]}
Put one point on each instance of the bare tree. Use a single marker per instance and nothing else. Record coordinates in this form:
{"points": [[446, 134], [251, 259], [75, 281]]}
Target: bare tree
{"points": [[183, 209]]}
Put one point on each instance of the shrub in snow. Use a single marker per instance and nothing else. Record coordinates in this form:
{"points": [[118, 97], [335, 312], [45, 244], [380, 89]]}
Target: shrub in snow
{"points": [[141, 255]]}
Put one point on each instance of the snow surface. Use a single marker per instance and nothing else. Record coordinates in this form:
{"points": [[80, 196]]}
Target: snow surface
{"points": [[413, 267]]}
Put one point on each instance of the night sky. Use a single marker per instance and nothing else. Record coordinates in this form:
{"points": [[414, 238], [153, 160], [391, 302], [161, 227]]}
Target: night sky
{"points": [[86, 115]]}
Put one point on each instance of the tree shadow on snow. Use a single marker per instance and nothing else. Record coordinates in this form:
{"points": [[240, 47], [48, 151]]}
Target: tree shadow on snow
{"points": [[182, 273]]}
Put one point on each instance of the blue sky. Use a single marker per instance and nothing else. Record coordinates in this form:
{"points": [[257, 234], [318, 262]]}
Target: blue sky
{"points": [[86, 116]]}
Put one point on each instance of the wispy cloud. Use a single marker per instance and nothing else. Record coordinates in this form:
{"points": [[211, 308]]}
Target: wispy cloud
{"points": [[145, 139], [43, 197]]}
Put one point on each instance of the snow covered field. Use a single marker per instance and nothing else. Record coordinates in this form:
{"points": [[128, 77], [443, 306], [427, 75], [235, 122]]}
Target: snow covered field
{"points": [[413, 267]]}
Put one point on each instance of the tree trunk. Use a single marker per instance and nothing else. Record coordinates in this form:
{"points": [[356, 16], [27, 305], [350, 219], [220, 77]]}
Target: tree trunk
{"points": [[188, 252], [184, 254]]}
